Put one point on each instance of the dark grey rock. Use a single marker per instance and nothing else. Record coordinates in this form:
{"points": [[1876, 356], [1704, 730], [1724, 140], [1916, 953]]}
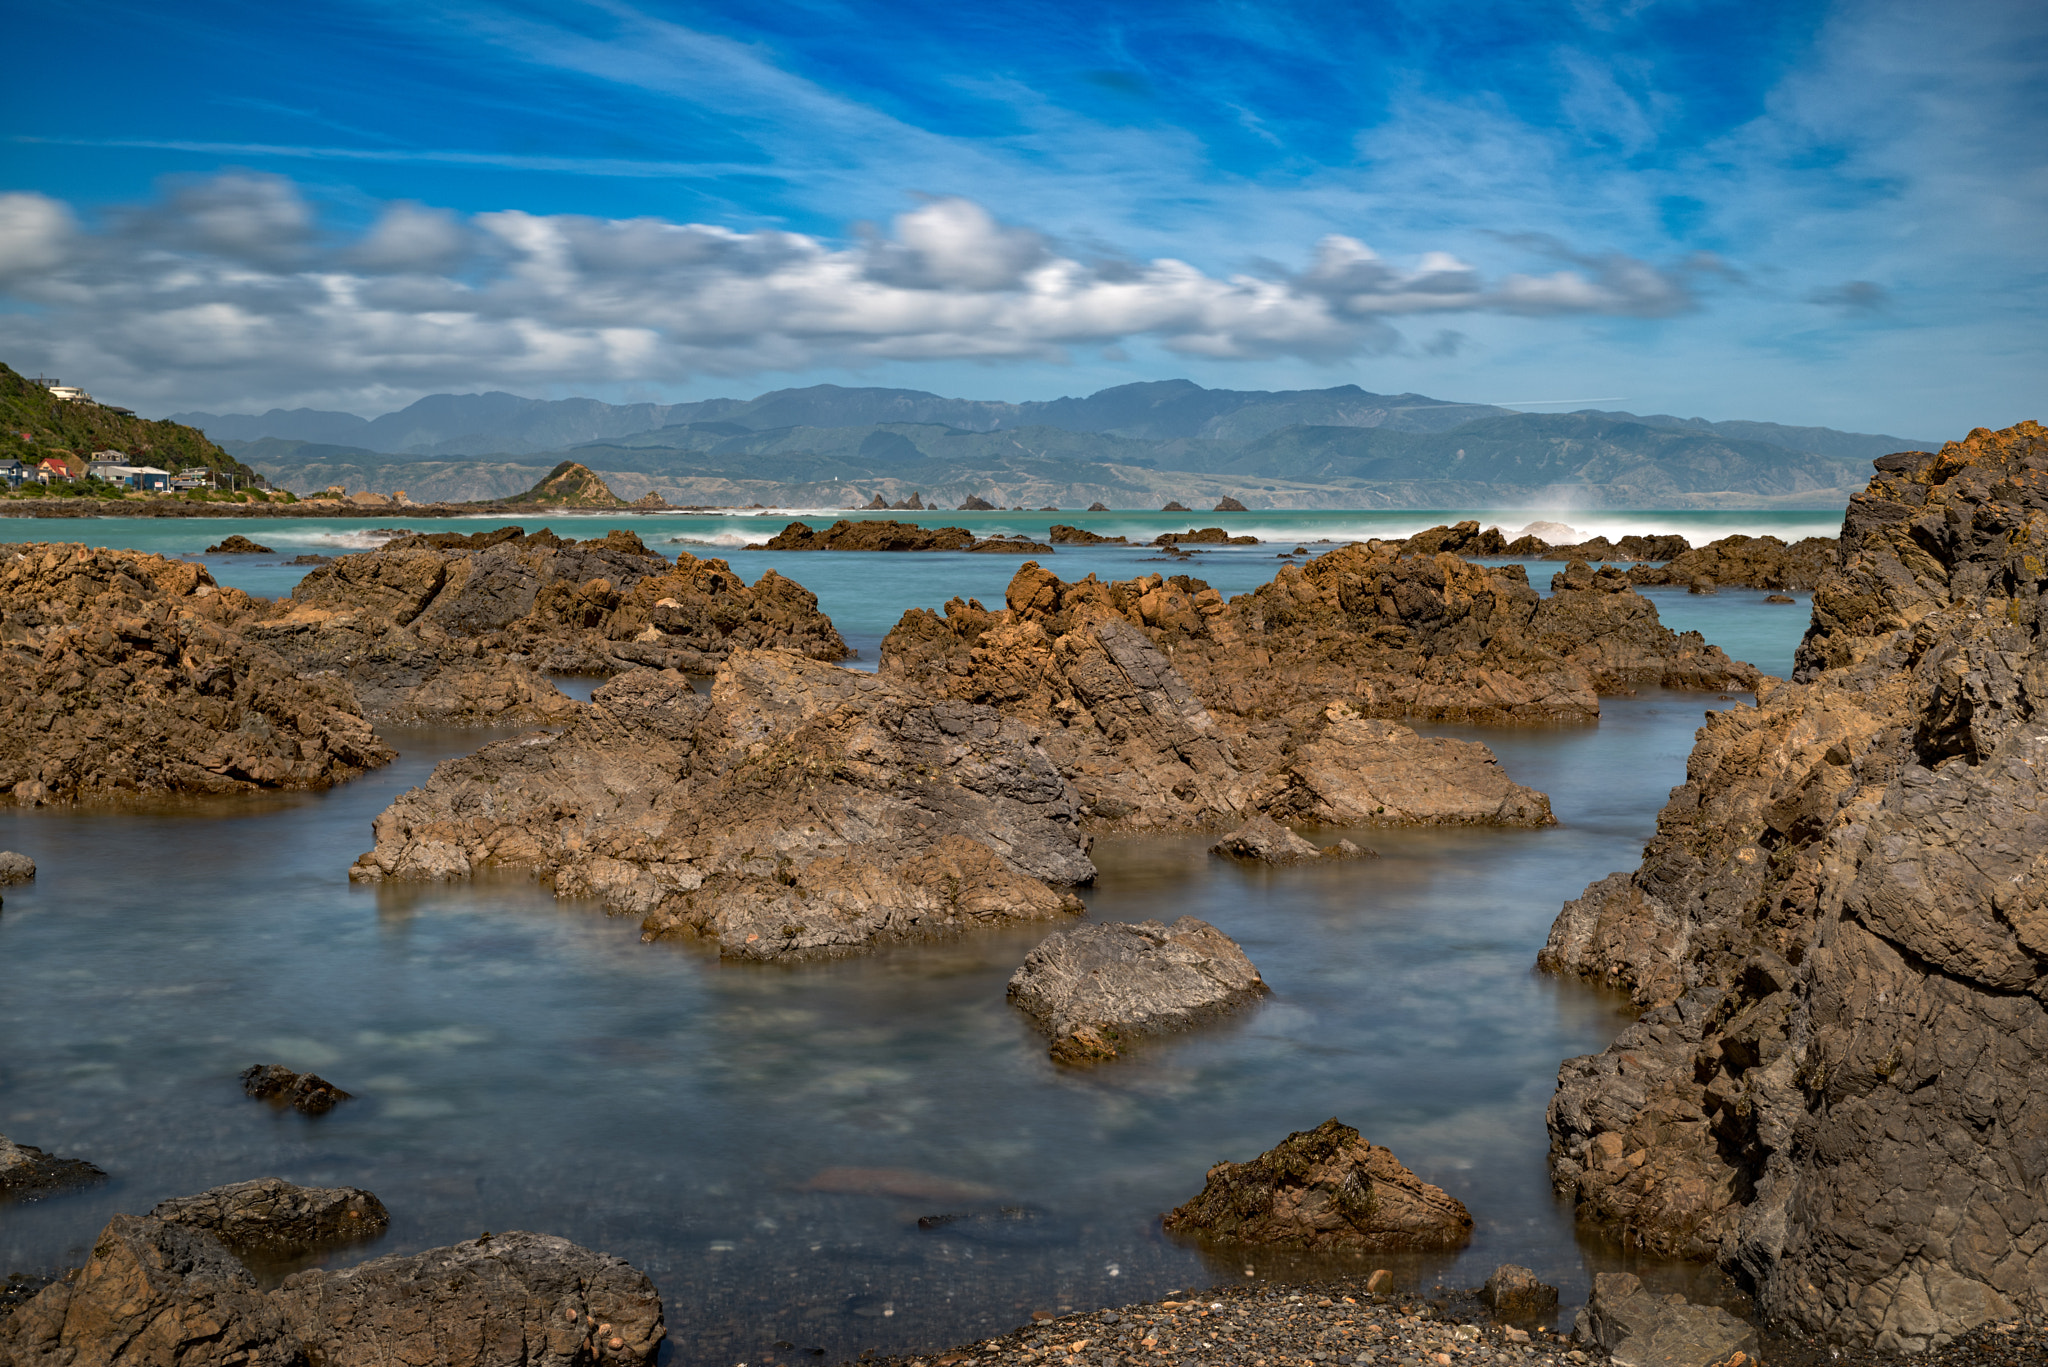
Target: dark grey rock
{"points": [[1639, 1329], [26, 1170], [16, 868], [274, 1214], [1095, 987]]}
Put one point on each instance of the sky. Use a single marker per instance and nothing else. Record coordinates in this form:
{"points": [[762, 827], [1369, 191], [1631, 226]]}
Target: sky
{"points": [[1825, 213]]}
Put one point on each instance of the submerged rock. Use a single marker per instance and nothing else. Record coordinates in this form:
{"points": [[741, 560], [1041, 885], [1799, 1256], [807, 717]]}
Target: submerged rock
{"points": [[1262, 840], [274, 1214], [26, 1170], [1325, 1189], [1835, 939], [800, 809], [1640, 1329], [126, 675], [1095, 988], [158, 1294], [306, 1093]]}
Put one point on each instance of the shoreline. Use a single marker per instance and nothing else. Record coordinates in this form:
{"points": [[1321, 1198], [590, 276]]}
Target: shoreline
{"points": [[93, 507]]}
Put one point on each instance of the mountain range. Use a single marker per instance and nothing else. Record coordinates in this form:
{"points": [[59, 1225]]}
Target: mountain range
{"points": [[1138, 443]]}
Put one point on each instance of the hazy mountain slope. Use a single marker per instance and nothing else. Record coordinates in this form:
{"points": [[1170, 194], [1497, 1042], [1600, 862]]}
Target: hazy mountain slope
{"points": [[1823, 441]]}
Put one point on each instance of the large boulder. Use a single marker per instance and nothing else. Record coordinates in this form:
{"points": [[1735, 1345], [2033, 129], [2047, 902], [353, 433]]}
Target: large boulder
{"points": [[307, 1093], [16, 868], [1640, 1329], [26, 1171], [1094, 988], [1835, 940], [270, 1213], [125, 675], [463, 629], [1756, 562], [1513, 1292], [1262, 840], [159, 1294], [799, 809], [1325, 1189]]}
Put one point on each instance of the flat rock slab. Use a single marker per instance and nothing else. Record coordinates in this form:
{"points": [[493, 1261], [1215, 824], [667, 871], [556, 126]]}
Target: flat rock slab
{"points": [[1640, 1329], [1262, 840], [1094, 988], [26, 1170], [1325, 1188], [273, 1214]]}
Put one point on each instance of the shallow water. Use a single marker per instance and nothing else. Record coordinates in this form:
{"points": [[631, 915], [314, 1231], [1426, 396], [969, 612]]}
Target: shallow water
{"points": [[521, 1063]]}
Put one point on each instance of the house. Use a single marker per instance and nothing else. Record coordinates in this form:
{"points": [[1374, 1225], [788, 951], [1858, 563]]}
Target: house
{"points": [[13, 472], [104, 463], [149, 479], [187, 480], [50, 469]]}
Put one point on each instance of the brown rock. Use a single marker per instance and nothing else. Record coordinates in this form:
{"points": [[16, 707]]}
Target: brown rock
{"points": [[238, 545], [873, 535], [273, 1214], [1835, 943], [976, 504], [125, 675], [569, 485], [1206, 536], [1756, 562], [16, 868], [306, 1093], [1063, 535], [802, 809], [1175, 506], [1263, 840], [1513, 1292], [1324, 1189], [1095, 988], [1229, 505], [1104, 507]]}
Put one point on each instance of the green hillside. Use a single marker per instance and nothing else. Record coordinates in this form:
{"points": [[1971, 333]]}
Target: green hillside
{"points": [[35, 425]]}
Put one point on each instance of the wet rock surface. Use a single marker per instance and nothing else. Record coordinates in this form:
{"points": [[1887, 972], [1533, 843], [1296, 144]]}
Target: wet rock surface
{"points": [[463, 629], [799, 809], [1262, 840], [879, 534], [238, 545], [307, 1093], [155, 1294], [1756, 562], [1095, 988], [1835, 940], [126, 676], [1513, 1292], [1326, 1188], [1639, 1328], [27, 1172], [16, 868], [272, 1214], [1062, 535]]}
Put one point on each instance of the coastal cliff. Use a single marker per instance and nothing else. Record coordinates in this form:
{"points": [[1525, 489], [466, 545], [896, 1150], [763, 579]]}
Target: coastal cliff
{"points": [[1839, 940]]}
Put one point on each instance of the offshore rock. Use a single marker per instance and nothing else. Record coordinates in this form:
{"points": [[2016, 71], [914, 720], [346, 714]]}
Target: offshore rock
{"points": [[1095, 988], [1206, 536], [1836, 939], [801, 809], [462, 629], [238, 545], [976, 504], [126, 675], [1325, 1189], [1640, 1329], [1229, 505], [1631, 548], [880, 534], [571, 485], [1063, 535], [156, 1294], [26, 1170], [16, 868], [307, 1093], [1262, 840], [272, 1214], [1756, 562]]}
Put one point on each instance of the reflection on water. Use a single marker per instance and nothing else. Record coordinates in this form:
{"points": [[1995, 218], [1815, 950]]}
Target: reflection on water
{"points": [[764, 1140]]}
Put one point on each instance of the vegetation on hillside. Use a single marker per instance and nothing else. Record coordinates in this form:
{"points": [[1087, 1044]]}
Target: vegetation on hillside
{"points": [[570, 485], [36, 425]]}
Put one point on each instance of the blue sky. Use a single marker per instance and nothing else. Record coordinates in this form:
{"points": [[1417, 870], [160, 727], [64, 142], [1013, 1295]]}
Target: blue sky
{"points": [[1827, 213]]}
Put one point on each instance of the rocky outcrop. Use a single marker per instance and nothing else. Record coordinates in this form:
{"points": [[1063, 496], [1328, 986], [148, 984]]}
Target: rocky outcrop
{"points": [[1755, 562], [879, 534], [464, 629], [1262, 840], [799, 809], [1341, 769], [1513, 1292], [571, 485], [1836, 939], [158, 1294], [1204, 536], [238, 545], [26, 1171], [1175, 506], [976, 504], [1229, 505], [1640, 1329], [275, 1215], [16, 868], [307, 1093], [1325, 1189], [1093, 989], [1063, 535], [125, 676], [1628, 548]]}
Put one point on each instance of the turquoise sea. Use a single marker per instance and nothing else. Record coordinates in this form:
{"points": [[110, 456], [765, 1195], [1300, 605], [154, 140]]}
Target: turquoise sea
{"points": [[523, 1063]]}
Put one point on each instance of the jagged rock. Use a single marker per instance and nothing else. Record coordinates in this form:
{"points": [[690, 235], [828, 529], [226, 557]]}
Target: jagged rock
{"points": [[1341, 769], [913, 504], [1175, 507], [1263, 840], [1463, 539], [272, 1214], [1515, 1292], [1641, 1329], [1634, 548], [307, 1093], [1598, 621], [155, 1294], [1103, 508], [1206, 536], [124, 675], [26, 1170], [1324, 1189], [571, 485], [976, 504], [1835, 937], [16, 868], [868, 535], [1229, 505], [1755, 562], [238, 545], [1010, 545], [1063, 535], [1093, 989], [802, 809], [463, 629]]}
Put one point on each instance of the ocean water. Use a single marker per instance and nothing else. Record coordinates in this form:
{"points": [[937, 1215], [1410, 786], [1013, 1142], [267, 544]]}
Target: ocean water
{"points": [[763, 1140]]}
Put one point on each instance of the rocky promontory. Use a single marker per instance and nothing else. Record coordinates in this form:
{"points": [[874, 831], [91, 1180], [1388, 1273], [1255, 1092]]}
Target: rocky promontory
{"points": [[463, 629], [1755, 562], [799, 809], [1093, 989], [125, 676], [163, 1293], [1837, 941], [1326, 1189]]}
